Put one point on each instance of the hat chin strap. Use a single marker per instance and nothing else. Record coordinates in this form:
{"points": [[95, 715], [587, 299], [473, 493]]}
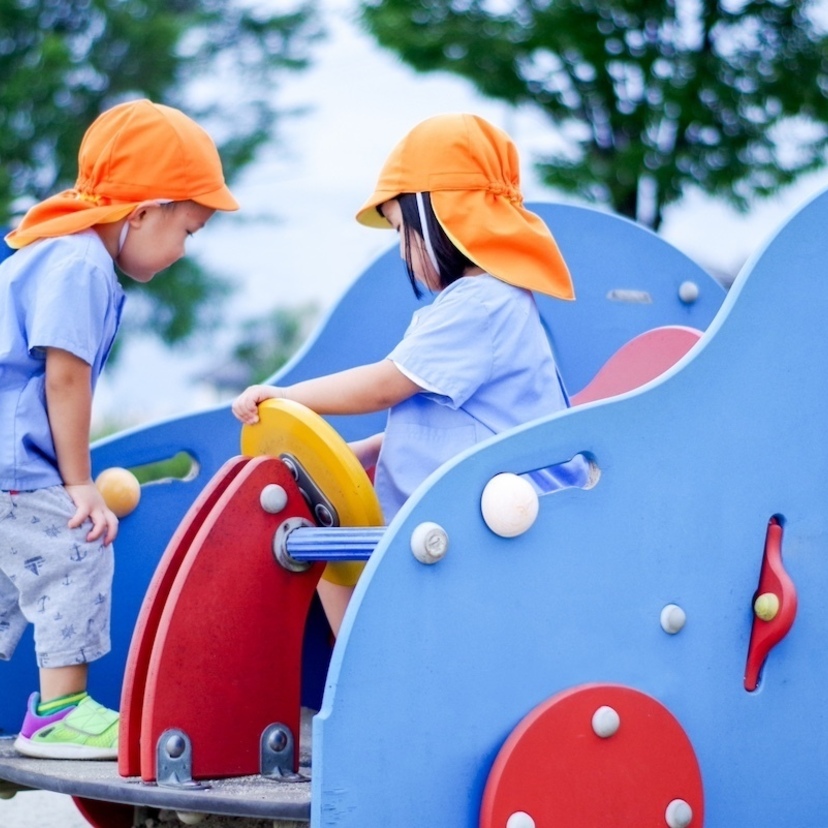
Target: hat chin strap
{"points": [[125, 228], [122, 237], [426, 235]]}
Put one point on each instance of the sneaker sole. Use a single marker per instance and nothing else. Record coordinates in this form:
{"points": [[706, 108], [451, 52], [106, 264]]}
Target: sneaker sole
{"points": [[44, 750]]}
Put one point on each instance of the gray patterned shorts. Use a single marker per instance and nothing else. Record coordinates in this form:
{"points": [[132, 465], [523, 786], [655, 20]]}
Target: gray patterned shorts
{"points": [[53, 577]]}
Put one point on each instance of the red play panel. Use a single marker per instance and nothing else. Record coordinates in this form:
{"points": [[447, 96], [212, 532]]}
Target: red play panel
{"points": [[555, 769], [640, 360], [146, 627], [226, 659]]}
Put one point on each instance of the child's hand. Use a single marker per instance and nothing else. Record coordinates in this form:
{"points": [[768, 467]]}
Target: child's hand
{"points": [[245, 406], [90, 504], [367, 450]]}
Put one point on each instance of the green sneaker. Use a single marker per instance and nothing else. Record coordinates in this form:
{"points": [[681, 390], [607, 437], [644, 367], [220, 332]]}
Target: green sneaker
{"points": [[87, 730]]}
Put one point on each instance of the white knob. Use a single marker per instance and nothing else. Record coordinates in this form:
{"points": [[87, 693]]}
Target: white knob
{"points": [[520, 819], [678, 814], [673, 619], [688, 292], [605, 722], [509, 505], [190, 817], [273, 498]]}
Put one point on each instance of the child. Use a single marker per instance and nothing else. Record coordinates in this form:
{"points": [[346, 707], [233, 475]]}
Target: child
{"points": [[148, 178], [477, 360]]}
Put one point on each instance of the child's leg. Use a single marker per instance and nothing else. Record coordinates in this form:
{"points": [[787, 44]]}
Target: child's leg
{"points": [[12, 621], [62, 681], [64, 583], [334, 598]]}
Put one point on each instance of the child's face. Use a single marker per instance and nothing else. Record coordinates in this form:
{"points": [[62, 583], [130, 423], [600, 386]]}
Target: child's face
{"points": [[157, 235], [420, 263]]}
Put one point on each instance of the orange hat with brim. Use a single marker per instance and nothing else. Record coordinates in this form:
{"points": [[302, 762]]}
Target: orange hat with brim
{"points": [[471, 170], [131, 154]]}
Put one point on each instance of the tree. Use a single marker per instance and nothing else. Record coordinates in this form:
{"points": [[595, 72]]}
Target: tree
{"points": [[651, 96], [263, 345], [64, 61]]}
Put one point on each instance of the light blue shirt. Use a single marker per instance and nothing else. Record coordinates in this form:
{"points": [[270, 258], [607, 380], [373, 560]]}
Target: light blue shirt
{"points": [[56, 293], [482, 355]]}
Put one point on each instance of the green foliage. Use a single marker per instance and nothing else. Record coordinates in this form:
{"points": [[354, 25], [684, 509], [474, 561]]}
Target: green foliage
{"points": [[180, 466], [266, 343], [650, 95], [64, 61]]}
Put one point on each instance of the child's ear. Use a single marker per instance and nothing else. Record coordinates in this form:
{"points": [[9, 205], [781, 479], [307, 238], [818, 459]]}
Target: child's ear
{"points": [[136, 219]]}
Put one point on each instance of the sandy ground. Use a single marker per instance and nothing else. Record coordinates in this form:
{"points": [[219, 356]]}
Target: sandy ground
{"points": [[40, 809]]}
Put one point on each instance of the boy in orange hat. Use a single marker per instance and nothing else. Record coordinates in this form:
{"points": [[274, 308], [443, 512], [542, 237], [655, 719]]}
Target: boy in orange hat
{"points": [[148, 178], [476, 361]]}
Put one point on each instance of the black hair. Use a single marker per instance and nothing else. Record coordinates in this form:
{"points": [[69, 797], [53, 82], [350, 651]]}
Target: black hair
{"points": [[452, 263]]}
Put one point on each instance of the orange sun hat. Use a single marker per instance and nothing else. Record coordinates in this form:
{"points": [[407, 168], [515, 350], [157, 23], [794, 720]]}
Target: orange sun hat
{"points": [[134, 153], [471, 170]]}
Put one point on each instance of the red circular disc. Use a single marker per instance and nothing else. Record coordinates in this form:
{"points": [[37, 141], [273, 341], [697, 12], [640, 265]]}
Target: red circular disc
{"points": [[555, 768], [102, 814]]}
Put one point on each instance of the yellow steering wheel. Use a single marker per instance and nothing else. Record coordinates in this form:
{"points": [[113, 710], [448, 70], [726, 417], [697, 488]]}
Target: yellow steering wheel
{"points": [[326, 469]]}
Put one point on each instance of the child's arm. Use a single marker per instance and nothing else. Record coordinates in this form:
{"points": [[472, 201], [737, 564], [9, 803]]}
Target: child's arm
{"points": [[367, 450], [69, 403], [355, 391]]}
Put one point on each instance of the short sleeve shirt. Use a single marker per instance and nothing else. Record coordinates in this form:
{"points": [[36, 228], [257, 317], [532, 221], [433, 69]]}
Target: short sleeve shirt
{"points": [[484, 360], [56, 293]]}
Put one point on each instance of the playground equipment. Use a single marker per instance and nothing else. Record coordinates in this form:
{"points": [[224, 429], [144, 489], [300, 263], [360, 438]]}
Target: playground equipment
{"points": [[603, 663]]}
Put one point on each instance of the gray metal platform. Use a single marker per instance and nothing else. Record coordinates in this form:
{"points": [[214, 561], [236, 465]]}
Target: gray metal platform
{"points": [[246, 796]]}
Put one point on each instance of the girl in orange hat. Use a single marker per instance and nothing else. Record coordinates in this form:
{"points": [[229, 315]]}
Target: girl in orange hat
{"points": [[148, 178], [477, 360]]}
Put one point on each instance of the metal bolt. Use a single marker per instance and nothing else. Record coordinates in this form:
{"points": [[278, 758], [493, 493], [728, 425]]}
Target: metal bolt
{"points": [[175, 746], [323, 514], [291, 467], [277, 740]]}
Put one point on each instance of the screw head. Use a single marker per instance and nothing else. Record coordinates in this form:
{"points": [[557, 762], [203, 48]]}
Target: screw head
{"points": [[323, 515], [291, 467], [429, 542], [277, 740], [175, 746]]}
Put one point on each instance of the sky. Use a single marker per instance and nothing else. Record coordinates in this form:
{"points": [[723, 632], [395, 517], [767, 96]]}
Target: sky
{"points": [[295, 239]]}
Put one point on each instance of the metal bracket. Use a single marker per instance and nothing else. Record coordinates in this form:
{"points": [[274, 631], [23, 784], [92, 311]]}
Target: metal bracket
{"points": [[323, 510], [174, 761], [276, 755]]}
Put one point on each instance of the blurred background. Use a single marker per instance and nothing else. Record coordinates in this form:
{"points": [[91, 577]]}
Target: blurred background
{"points": [[705, 121]]}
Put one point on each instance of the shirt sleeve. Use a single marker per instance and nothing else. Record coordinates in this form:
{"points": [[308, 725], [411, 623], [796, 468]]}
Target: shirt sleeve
{"points": [[67, 309], [448, 348]]}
